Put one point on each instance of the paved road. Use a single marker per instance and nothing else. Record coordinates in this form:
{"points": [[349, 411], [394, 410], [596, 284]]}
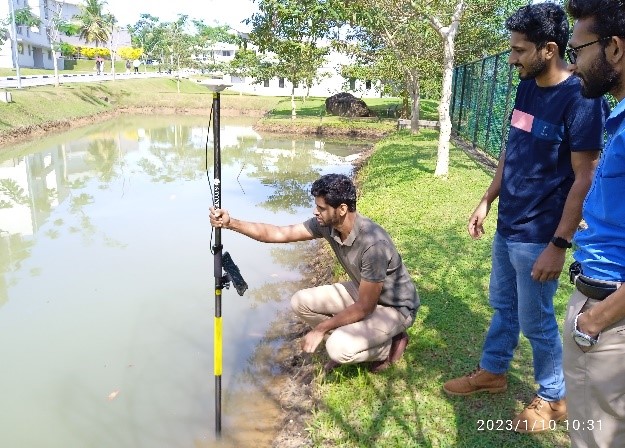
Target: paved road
{"points": [[10, 82]]}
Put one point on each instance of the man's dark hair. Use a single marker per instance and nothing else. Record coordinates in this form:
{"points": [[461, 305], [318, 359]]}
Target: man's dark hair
{"points": [[335, 189], [541, 23], [609, 16]]}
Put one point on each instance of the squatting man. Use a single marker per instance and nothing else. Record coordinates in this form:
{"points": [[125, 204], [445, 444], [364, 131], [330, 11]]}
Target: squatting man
{"points": [[363, 319]]}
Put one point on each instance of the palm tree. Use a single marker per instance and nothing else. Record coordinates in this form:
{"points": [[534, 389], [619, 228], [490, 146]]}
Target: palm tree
{"points": [[95, 24]]}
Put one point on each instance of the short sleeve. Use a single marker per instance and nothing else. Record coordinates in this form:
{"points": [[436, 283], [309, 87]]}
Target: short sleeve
{"points": [[585, 120], [312, 225], [375, 262]]}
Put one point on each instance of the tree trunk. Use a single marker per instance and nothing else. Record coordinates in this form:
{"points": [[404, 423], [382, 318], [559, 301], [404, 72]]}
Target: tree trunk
{"points": [[448, 34], [293, 113], [415, 100], [442, 160], [177, 74], [55, 62], [113, 54]]}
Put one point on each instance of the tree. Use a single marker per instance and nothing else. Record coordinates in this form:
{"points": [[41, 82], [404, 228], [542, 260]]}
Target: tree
{"points": [[448, 34], [148, 34], [291, 31], [394, 41], [177, 44], [57, 26], [17, 17], [455, 9], [95, 23], [111, 21], [398, 26]]}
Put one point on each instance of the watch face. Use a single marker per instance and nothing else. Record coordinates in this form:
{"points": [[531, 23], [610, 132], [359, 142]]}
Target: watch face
{"points": [[582, 341]]}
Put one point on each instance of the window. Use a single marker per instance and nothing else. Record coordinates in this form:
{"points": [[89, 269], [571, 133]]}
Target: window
{"points": [[368, 84], [20, 48], [281, 83], [265, 83], [50, 54], [29, 50], [226, 52], [352, 83]]}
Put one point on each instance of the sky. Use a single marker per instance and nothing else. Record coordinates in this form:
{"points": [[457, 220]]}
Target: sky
{"points": [[223, 12]]}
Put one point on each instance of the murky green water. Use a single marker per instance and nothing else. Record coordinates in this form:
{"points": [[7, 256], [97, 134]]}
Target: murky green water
{"points": [[107, 288]]}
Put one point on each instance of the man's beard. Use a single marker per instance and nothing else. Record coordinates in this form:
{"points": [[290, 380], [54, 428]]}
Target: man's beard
{"points": [[600, 79], [534, 69]]}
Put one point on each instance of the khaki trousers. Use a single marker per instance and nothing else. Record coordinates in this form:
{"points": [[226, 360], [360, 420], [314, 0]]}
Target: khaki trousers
{"points": [[366, 340], [595, 383]]}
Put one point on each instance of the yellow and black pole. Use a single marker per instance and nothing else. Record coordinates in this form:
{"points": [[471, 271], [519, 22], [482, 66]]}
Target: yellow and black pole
{"points": [[222, 260], [217, 254]]}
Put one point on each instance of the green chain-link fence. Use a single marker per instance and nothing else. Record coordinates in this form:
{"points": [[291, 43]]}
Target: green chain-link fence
{"points": [[482, 100]]}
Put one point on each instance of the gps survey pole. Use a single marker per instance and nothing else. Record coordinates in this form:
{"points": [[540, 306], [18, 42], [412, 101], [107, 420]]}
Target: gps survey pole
{"points": [[217, 254], [222, 260]]}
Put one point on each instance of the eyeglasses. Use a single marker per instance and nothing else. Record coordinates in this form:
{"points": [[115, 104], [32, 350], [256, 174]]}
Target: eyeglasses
{"points": [[571, 53]]}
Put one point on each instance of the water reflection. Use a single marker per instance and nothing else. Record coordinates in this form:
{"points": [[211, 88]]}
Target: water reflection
{"points": [[106, 278]]}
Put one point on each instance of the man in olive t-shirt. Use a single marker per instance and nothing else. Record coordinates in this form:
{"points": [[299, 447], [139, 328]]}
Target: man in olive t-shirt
{"points": [[366, 318]]}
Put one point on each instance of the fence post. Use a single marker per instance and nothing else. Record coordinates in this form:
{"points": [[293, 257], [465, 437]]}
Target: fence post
{"points": [[464, 82], [506, 120], [478, 104], [490, 101], [455, 91]]}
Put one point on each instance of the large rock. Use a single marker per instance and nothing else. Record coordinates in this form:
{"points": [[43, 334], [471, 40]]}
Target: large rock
{"points": [[347, 105]]}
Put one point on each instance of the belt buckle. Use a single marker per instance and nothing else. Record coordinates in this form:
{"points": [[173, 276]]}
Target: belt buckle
{"points": [[574, 270]]}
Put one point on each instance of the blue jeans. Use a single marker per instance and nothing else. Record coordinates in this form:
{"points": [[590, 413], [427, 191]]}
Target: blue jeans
{"points": [[521, 303]]}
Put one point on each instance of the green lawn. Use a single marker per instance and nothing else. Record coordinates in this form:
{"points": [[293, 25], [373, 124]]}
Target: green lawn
{"points": [[311, 113], [38, 105], [405, 405]]}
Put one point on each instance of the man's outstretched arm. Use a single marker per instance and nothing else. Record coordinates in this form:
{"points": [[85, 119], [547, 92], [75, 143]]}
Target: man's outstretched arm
{"points": [[266, 233]]}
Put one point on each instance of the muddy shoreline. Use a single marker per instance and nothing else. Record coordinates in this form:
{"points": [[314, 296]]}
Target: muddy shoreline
{"points": [[298, 398]]}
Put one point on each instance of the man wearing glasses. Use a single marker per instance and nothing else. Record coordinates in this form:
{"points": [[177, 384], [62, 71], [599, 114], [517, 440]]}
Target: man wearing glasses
{"points": [[594, 329], [541, 179]]}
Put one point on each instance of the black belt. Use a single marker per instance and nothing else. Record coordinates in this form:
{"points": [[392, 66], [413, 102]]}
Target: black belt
{"points": [[595, 289], [591, 288]]}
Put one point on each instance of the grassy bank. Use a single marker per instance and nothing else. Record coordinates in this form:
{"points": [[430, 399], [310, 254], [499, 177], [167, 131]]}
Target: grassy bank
{"points": [[38, 109], [405, 405], [48, 107]]}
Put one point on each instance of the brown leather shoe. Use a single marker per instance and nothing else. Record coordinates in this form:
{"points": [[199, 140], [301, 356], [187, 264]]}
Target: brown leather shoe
{"points": [[398, 346], [479, 380], [540, 415]]}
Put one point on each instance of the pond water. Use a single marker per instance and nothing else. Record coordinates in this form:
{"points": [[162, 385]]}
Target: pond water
{"points": [[107, 288]]}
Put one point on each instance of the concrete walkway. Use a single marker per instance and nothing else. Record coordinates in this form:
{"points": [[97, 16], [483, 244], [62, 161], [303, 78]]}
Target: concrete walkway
{"points": [[10, 82]]}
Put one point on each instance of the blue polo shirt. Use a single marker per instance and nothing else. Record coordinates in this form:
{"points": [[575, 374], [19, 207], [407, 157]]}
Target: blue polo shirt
{"points": [[546, 125], [601, 246]]}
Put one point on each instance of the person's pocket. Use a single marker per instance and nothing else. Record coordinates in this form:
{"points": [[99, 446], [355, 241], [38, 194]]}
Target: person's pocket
{"points": [[574, 310]]}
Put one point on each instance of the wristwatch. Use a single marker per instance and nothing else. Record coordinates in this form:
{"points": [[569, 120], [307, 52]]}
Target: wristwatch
{"points": [[582, 339], [560, 242]]}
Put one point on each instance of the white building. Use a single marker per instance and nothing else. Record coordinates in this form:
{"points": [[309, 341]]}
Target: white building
{"points": [[329, 79], [33, 43]]}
